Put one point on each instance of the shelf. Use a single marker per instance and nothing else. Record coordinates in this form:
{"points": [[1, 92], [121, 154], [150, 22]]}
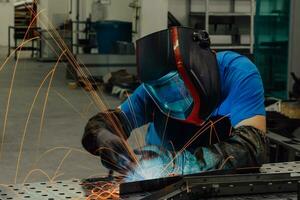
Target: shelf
{"points": [[25, 48], [231, 47], [229, 14], [197, 14], [83, 31], [237, 14], [272, 15], [21, 3], [223, 17]]}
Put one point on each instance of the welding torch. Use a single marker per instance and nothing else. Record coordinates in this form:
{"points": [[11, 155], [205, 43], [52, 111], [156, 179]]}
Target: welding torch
{"points": [[106, 136]]}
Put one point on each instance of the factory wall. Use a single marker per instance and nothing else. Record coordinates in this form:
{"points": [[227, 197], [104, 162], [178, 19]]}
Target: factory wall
{"points": [[149, 22], [57, 12], [6, 20], [53, 11], [179, 8], [117, 10]]}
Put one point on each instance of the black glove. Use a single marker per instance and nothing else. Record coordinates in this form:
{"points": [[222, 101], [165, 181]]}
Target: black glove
{"points": [[113, 152], [246, 148], [105, 135]]}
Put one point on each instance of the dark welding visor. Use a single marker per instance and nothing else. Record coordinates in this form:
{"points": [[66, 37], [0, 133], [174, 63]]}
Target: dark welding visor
{"points": [[155, 57]]}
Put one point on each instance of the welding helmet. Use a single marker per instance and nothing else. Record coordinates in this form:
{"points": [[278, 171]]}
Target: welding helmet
{"points": [[180, 73]]}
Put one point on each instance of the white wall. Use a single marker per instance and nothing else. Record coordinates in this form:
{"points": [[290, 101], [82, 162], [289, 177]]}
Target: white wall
{"points": [[54, 11], [179, 8], [117, 10], [6, 20], [58, 11], [154, 16]]}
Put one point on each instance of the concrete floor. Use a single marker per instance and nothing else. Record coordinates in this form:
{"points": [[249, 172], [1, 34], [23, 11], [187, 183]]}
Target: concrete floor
{"points": [[62, 129]]}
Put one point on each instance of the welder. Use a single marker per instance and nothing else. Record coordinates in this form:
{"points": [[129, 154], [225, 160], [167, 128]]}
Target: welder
{"points": [[207, 107]]}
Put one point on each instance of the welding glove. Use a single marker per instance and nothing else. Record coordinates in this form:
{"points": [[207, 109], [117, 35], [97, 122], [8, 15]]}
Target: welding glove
{"points": [[247, 147], [105, 136]]}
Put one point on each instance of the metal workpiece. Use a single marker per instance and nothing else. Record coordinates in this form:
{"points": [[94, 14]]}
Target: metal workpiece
{"points": [[228, 185], [264, 182], [279, 181]]}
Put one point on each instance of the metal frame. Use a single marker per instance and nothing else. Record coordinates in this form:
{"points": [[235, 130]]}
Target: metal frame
{"points": [[44, 42], [291, 146], [32, 48], [207, 14], [273, 178], [208, 187]]}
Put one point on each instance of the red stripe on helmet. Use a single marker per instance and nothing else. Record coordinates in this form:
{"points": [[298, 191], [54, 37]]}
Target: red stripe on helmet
{"points": [[194, 115]]}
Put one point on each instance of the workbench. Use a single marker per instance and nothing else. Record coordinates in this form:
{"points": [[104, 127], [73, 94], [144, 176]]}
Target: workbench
{"points": [[273, 182]]}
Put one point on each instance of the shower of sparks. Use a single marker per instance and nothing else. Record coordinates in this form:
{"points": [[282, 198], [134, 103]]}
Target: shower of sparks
{"points": [[102, 190]]}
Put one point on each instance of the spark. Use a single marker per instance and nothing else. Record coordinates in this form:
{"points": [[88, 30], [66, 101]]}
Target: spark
{"points": [[105, 190], [197, 134], [70, 104], [165, 128], [34, 171], [9, 96], [164, 165], [61, 148], [93, 94], [225, 161], [96, 99], [47, 95], [56, 176], [12, 84], [60, 164], [88, 107], [27, 122]]}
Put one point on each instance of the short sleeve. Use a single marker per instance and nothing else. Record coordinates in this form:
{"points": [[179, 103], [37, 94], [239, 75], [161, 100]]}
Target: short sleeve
{"points": [[248, 98], [242, 88]]}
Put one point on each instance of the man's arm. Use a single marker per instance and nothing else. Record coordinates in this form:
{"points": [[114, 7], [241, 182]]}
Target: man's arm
{"points": [[247, 146], [133, 113], [248, 107], [257, 121], [106, 133]]}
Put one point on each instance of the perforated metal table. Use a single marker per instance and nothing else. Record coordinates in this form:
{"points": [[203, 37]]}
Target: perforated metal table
{"points": [[80, 189]]}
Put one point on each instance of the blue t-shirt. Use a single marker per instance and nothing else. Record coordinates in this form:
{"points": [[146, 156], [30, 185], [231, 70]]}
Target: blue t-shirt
{"points": [[242, 98]]}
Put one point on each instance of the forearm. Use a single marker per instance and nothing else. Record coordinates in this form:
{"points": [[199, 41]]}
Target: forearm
{"points": [[247, 147]]}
